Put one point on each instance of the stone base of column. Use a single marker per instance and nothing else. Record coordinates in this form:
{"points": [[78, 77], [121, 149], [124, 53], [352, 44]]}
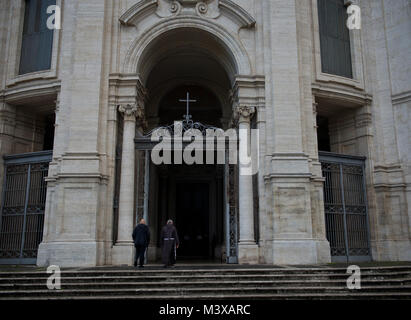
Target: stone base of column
{"points": [[123, 254], [391, 250], [152, 253], [296, 252], [67, 254], [248, 253]]}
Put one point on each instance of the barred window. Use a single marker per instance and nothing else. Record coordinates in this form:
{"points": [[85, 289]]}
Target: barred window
{"points": [[334, 38], [37, 42]]}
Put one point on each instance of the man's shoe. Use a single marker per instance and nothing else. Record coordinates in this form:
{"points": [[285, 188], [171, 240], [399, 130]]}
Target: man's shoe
{"points": [[141, 266]]}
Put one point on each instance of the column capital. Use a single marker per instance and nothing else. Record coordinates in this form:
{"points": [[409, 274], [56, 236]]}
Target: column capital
{"points": [[243, 113], [128, 110], [133, 112]]}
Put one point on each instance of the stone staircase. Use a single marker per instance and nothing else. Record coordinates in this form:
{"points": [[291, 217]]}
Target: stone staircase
{"points": [[208, 282]]}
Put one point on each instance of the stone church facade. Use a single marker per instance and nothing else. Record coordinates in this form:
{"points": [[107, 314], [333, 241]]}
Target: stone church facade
{"points": [[332, 108]]}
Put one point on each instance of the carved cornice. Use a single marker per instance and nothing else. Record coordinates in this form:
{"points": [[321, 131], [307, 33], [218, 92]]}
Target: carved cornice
{"points": [[344, 94], [127, 89], [211, 9], [28, 94]]}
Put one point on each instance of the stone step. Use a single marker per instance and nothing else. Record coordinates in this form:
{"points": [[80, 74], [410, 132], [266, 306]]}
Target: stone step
{"points": [[214, 279], [153, 277], [243, 297], [221, 272], [192, 292], [196, 284], [211, 283]]}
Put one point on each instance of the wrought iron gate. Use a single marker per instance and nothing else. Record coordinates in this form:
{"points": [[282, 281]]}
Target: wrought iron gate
{"points": [[345, 205], [231, 214], [23, 204]]}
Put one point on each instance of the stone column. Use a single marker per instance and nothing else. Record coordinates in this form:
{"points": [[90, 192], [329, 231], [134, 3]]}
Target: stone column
{"points": [[123, 250], [247, 247]]}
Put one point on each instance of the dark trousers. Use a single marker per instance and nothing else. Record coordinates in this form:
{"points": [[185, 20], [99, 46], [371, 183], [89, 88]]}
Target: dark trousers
{"points": [[140, 251]]}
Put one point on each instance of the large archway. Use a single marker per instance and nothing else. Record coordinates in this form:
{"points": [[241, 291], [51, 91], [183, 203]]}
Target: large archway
{"points": [[181, 61], [187, 57]]}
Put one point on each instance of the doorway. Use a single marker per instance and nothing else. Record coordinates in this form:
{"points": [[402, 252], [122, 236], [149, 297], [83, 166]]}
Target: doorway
{"points": [[193, 197], [192, 219]]}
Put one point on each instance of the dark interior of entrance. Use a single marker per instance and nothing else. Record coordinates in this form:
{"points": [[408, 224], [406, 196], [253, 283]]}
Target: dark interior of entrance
{"points": [[192, 218], [192, 197]]}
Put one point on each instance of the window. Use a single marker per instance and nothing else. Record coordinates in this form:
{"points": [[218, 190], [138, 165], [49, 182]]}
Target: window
{"points": [[37, 42], [334, 38]]}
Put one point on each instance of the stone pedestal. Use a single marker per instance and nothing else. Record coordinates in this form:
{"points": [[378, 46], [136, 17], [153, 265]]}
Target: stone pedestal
{"points": [[248, 253], [123, 254]]}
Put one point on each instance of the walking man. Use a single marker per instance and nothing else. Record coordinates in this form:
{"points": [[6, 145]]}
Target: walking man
{"points": [[141, 238], [169, 243]]}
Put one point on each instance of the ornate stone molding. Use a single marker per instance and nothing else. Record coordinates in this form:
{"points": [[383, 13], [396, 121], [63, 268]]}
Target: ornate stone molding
{"points": [[247, 96], [243, 113], [129, 111], [238, 13], [24, 94], [211, 9], [341, 93], [137, 11], [133, 112]]}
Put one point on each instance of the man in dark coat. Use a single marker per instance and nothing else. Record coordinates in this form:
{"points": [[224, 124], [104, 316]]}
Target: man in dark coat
{"points": [[169, 242], [141, 238]]}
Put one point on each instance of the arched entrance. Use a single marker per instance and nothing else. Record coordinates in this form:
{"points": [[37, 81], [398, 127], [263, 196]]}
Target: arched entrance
{"points": [[196, 57], [192, 61]]}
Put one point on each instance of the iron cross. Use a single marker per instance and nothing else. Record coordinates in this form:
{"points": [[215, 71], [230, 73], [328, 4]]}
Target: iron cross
{"points": [[188, 116]]}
